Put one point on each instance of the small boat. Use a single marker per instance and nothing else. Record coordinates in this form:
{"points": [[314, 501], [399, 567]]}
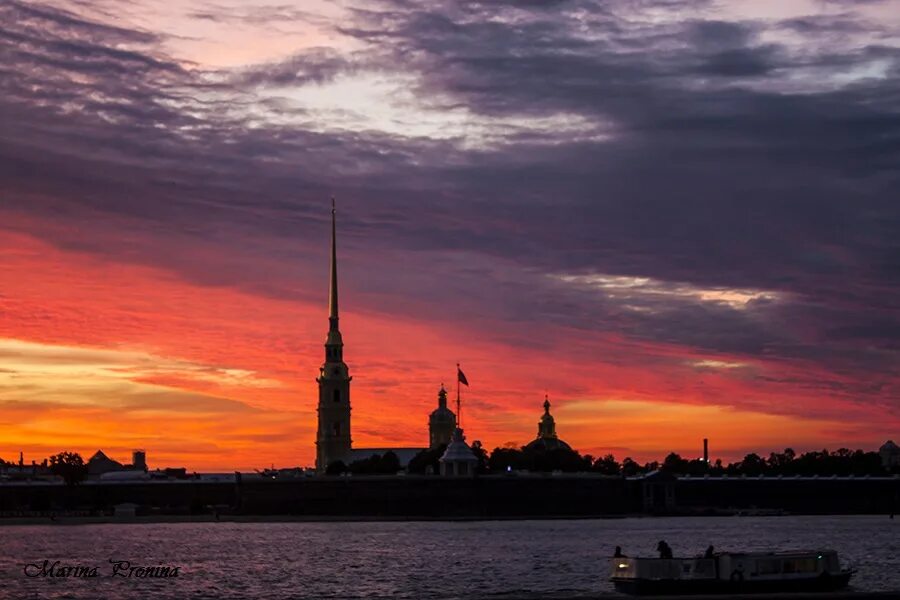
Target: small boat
{"points": [[731, 573]]}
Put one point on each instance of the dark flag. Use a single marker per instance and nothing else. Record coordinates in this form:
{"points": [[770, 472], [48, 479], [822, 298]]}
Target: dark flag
{"points": [[461, 376]]}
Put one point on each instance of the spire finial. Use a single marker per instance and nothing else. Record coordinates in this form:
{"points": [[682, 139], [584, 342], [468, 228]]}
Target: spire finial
{"points": [[333, 288]]}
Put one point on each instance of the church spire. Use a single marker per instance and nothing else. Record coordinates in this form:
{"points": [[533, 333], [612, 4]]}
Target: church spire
{"points": [[547, 425], [333, 442], [333, 289], [334, 343]]}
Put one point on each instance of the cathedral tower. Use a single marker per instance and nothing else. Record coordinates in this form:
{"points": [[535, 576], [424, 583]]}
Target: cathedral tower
{"points": [[333, 437], [547, 424], [441, 422]]}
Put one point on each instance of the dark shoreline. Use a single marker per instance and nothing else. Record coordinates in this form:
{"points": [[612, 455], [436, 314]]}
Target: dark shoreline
{"points": [[845, 595], [209, 518], [441, 498], [152, 519]]}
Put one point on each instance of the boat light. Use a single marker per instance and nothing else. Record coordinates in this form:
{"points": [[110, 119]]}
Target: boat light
{"points": [[623, 566]]}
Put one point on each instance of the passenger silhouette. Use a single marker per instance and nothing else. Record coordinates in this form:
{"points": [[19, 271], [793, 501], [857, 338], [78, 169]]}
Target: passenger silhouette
{"points": [[664, 550], [709, 552], [618, 553]]}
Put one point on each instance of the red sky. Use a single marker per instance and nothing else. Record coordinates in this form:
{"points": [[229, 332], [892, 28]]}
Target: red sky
{"points": [[101, 353], [676, 219]]}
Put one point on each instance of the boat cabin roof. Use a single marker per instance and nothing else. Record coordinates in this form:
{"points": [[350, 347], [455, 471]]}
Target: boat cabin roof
{"points": [[751, 554], [779, 553]]}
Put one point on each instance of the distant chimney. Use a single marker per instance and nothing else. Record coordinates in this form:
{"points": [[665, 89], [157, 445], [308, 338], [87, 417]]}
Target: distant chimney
{"points": [[706, 450]]}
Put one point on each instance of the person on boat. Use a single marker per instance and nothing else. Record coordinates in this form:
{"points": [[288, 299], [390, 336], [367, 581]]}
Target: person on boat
{"points": [[664, 550], [618, 553], [710, 552]]}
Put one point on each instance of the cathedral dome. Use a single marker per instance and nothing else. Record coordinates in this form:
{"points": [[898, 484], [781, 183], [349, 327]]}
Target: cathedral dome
{"points": [[441, 422], [546, 438], [442, 414], [547, 444]]}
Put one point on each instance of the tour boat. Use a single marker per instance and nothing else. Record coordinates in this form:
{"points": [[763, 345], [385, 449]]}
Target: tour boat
{"points": [[731, 572]]}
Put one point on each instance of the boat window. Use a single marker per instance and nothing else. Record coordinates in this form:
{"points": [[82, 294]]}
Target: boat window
{"points": [[702, 567], [768, 567], [800, 565]]}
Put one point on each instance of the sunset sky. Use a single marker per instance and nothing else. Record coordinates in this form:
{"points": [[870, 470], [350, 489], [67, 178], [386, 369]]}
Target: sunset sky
{"points": [[678, 218]]}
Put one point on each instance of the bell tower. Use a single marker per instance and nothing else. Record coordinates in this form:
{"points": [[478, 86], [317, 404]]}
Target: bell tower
{"points": [[333, 437], [547, 425]]}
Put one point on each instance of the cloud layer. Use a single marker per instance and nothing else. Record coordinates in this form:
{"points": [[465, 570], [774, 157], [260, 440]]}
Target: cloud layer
{"points": [[679, 204]]}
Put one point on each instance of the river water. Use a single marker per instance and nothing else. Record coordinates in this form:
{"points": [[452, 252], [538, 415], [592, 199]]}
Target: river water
{"points": [[498, 559]]}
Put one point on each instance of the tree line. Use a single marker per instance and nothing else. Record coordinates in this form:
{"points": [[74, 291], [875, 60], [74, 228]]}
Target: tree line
{"points": [[68, 465], [842, 462]]}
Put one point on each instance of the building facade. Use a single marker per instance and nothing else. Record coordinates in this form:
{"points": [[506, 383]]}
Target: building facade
{"points": [[890, 455], [333, 442]]}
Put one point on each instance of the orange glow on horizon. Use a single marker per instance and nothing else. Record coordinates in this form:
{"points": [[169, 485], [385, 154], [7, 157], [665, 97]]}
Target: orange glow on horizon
{"points": [[112, 355]]}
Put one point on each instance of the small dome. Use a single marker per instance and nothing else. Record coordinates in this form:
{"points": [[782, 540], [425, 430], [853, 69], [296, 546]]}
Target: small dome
{"points": [[458, 450], [889, 446], [442, 415]]}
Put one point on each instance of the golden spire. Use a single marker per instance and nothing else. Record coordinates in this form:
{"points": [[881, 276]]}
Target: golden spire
{"points": [[333, 289]]}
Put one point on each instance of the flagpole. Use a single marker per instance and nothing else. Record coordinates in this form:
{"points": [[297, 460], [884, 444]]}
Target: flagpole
{"points": [[458, 409]]}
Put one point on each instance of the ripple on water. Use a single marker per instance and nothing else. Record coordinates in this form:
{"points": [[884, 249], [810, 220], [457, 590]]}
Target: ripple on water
{"points": [[429, 560]]}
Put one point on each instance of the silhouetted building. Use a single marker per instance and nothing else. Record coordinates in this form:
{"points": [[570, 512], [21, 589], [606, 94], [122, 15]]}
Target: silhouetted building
{"points": [[890, 455], [333, 441], [99, 464], [458, 459], [546, 438], [139, 460], [657, 490], [24, 472], [441, 422]]}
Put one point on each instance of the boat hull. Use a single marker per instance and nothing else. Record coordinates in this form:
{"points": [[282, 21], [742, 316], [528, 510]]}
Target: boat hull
{"points": [[674, 587]]}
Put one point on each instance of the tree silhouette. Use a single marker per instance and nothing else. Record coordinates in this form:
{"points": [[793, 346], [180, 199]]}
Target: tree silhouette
{"points": [[629, 467], [427, 458], [481, 454], [70, 466], [607, 466], [377, 464], [502, 459]]}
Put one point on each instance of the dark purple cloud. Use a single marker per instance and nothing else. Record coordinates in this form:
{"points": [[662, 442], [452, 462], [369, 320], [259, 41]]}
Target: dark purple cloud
{"points": [[731, 162]]}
